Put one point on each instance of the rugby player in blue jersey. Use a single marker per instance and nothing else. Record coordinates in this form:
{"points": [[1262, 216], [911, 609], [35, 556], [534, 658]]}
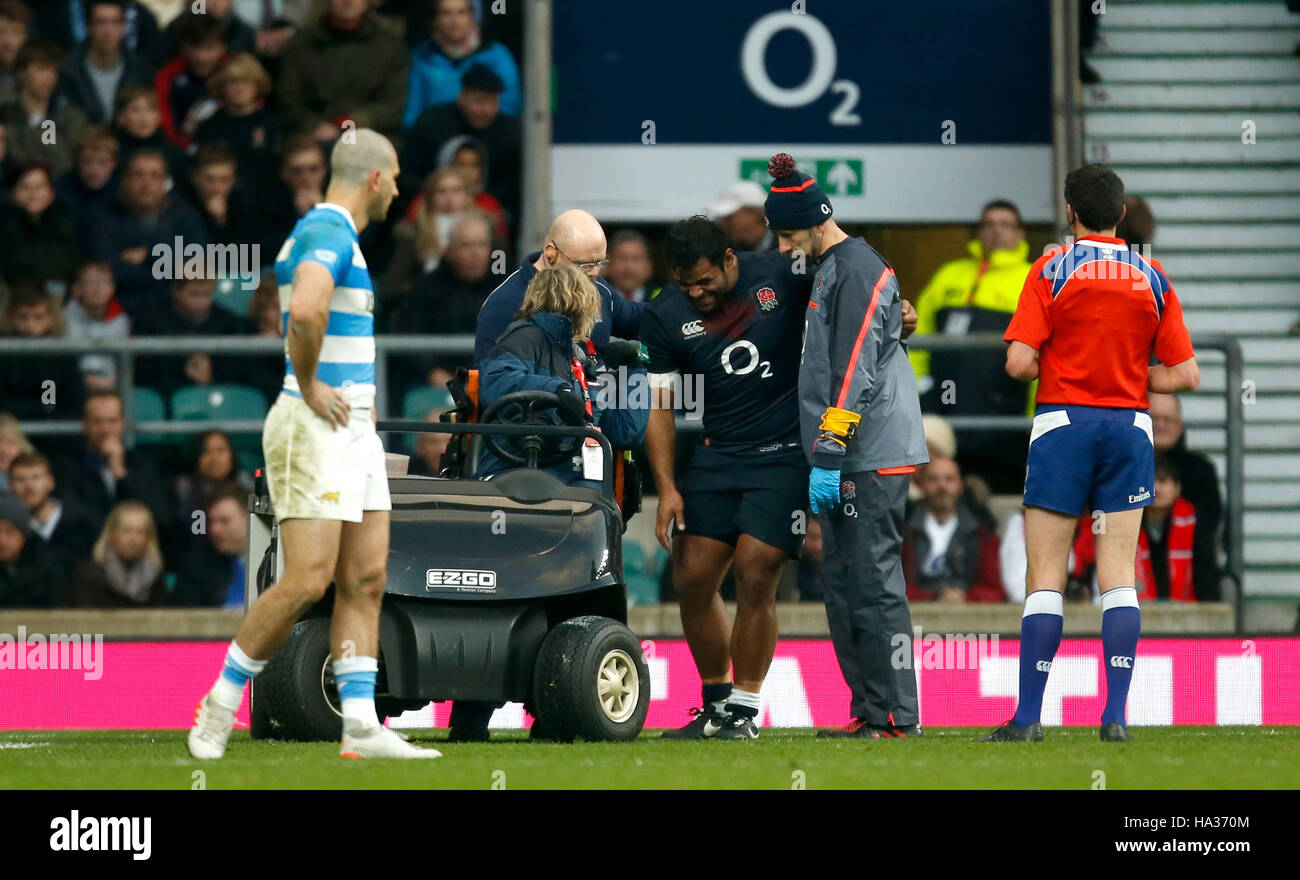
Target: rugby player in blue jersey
{"points": [[324, 461]]}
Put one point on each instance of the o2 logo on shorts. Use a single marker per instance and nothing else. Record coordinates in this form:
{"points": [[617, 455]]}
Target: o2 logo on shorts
{"points": [[461, 580]]}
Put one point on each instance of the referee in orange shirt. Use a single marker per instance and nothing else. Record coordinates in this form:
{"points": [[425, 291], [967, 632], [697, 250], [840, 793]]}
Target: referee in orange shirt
{"points": [[1090, 316]]}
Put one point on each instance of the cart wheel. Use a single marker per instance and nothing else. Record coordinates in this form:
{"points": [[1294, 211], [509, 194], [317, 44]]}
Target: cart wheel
{"points": [[591, 682], [296, 695]]}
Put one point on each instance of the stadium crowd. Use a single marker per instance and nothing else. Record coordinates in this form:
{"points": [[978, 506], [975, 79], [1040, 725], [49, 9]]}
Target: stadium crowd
{"points": [[128, 130]]}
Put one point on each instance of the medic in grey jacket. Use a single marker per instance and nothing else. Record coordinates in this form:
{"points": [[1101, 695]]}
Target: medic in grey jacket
{"points": [[859, 408], [860, 423]]}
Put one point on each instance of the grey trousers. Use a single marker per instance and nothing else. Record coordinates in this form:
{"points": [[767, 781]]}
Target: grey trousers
{"points": [[866, 596]]}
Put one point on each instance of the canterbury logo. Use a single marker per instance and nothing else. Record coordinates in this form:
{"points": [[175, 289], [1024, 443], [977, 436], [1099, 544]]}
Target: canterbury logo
{"points": [[1044, 666], [330, 496], [692, 328], [1121, 662]]}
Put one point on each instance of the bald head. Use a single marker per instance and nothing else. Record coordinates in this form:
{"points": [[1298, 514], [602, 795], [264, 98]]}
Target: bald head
{"points": [[363, 174], [355, 157], [575, 237]]}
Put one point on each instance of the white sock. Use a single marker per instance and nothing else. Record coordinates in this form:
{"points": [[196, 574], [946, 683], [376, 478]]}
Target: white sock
{"points": [[1044, 602], [744, 699], [239, 668], [358, 711]]}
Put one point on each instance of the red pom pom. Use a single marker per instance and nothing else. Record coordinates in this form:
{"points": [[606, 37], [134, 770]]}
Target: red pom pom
{"points": [[781, 165]]}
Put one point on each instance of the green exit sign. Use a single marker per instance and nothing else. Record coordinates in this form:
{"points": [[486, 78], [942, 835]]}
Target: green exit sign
{"points": [[838, 177]]}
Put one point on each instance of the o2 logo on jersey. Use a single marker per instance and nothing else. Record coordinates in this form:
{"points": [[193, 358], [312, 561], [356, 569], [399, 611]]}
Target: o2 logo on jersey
{"points": [[752, 360], [766, 298], [691, 329]]}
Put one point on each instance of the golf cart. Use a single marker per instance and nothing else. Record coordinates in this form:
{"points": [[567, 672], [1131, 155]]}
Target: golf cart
{"points": [[508, 589]]}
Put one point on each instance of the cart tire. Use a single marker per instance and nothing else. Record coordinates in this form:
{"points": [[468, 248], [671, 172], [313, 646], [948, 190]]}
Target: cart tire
{"points": [[296, 698], [591, 682]]}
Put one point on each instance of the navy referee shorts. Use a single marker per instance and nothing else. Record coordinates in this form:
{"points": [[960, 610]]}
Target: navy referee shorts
{"points": [[1088, 458]]}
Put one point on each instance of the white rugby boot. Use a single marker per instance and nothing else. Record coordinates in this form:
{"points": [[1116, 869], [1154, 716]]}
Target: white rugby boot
{"points": [[377, 741], [211, 730]]}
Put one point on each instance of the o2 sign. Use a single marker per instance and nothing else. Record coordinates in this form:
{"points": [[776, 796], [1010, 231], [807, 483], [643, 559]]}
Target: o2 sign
{"points": [[820, 79]]}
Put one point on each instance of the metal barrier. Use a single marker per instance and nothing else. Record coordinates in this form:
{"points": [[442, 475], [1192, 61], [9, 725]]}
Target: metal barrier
{"points": [[462, 346]]}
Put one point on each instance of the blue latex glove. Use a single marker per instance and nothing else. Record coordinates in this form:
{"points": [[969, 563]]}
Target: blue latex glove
{"points": [[823, 490]]}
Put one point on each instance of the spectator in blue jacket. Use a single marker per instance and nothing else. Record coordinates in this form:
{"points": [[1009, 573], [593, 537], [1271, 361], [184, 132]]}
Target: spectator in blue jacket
{"points": [[574, 239], [455, 45], [546, 349]]}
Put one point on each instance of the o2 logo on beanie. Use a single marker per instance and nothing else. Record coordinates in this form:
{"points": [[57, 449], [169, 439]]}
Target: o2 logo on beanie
{"points": [[826, 209]]}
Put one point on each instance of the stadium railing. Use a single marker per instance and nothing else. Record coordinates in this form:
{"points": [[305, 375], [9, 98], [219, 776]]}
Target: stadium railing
{"points": [[126, 351]]}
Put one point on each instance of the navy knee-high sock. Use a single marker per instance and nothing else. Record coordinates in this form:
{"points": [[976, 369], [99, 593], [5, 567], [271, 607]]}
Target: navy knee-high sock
{"points": [[1040, 636], [1121, 624]]}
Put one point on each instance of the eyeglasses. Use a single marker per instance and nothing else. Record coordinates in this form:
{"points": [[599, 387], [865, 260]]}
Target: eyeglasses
{"points": [[590, 264]]}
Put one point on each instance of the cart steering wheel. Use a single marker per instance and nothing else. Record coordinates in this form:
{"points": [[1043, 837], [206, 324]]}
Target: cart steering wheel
{"points": [[524, 408]]}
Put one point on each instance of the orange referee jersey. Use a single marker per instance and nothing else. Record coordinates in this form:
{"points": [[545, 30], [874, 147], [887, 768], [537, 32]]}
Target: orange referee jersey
{"points": [[1095, 312]]}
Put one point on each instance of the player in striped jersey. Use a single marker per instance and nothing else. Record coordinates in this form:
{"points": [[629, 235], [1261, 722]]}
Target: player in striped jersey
{"points": [[324, 460]]}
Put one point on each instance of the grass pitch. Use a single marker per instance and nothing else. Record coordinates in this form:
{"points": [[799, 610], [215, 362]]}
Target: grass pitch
{"points": [[1161, 758]]}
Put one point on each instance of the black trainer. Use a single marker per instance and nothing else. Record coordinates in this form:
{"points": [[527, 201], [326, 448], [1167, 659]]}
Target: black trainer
{"points": [[1115, 733], [1010, 733], [705, 724], [738, 726]]}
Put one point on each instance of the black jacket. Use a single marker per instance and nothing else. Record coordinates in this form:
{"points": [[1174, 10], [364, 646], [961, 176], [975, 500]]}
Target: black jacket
{"points": [[503, 139], [166, 373], [73, 538], [52, 19], [90, 588], [117, 230], [84, 202], [24, 393], [203, 578], [79, 477], [1201, 487], [254, 139], [31, 581], [77, 83], [45, 247]]}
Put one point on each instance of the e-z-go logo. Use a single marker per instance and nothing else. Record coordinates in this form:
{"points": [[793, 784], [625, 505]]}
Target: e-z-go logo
{"points": [[753, 64]]}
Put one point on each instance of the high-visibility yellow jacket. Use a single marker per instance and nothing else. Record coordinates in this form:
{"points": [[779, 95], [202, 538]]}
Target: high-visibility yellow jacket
{"points": [[991, 283], [986, 287]]}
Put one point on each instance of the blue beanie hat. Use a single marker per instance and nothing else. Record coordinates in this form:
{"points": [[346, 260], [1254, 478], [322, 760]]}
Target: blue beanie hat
{"points": [[795, 200]]}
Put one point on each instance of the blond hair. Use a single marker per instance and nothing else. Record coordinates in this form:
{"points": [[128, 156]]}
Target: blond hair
{"points": [[939, 436], [241, 65], [11, 427], [100, 551], [566, 291]]}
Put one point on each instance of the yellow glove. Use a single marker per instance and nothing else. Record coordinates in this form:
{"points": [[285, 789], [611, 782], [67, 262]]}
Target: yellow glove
{"points": [[839, 425]]}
